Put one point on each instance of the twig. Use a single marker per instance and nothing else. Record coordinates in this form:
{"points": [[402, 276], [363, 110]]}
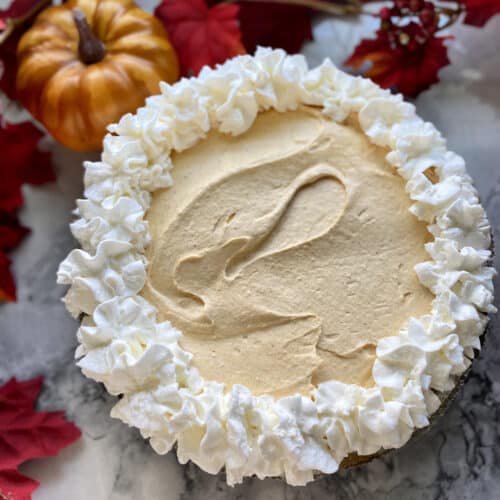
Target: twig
{"points": [[452, 14], [351, 7]]}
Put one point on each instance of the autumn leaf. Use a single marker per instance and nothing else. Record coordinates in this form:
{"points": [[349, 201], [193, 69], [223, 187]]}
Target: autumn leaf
{"points": [[16, 394], [16, 485], [409, 68], [7, 284], [8, 65], [201, 35], [19, 9], [22, 162], [14, 20], [26, 434], [11, 232], [478, 12], [274, 25]]}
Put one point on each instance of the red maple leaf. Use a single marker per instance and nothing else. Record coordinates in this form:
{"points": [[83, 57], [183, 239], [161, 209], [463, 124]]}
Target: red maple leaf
{"points": [[22, 162], [478, 12], [11, 234], [20, 8], [14, 21], [8, 65], [273, 25], [407, 69], [26, 434], [7, 284], [15, 486], [201, 35]]}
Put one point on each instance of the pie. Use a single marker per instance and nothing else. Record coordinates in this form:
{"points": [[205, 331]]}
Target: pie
{"points": [[282, 270]]}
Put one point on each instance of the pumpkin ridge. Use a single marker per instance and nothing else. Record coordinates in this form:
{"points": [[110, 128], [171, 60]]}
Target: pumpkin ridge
{"points": [[76, 101], [143, 82], [119, 70], [118, 14], [44, 21], [48, 82], [33, 104], [45, 26], [125, 24], [85, 116], [137, 47], [58, 109]]}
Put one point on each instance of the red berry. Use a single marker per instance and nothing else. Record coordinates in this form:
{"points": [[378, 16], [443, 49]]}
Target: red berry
{"points": [[391, 38], [416, 5], [412, 45], [385, 25], [385, 14], [403, 38], [428, 18], [402, 4]]}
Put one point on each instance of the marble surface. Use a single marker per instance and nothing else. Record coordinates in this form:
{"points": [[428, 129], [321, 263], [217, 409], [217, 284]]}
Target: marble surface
{"points": [[458, 458]]}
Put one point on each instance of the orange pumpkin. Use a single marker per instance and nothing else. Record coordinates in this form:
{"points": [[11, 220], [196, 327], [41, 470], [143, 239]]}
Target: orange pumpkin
{"points": [[84, 64]]}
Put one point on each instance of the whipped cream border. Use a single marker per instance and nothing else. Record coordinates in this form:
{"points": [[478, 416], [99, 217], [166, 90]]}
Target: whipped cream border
{"points": [[123, 346]]}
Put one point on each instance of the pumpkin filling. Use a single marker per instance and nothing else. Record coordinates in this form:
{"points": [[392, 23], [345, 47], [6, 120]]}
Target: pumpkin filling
{"points": [[284, 254]]}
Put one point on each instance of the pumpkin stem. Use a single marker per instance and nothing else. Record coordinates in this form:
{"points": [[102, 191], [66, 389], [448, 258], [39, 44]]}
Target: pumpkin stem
{"points": [[90, 49]]}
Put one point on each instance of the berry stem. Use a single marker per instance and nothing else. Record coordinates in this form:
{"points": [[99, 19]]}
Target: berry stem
{"points": [[451, 14]]}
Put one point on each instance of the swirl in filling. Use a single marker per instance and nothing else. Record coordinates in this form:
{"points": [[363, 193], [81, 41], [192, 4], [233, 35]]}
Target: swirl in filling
{"points": [[285, 254]]}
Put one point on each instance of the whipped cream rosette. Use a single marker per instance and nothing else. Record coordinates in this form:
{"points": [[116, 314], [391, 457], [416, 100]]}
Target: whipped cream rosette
{"points": [[132, 282]]}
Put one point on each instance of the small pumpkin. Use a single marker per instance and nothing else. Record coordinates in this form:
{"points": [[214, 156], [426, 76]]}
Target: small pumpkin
{"points": [[84, 64]]}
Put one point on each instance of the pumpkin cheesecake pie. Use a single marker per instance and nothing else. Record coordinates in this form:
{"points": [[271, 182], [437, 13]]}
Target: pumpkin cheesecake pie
{"points": [[281, 267]]}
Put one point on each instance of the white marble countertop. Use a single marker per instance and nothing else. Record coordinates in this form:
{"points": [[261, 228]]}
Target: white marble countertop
{"points": [[458, 458]]}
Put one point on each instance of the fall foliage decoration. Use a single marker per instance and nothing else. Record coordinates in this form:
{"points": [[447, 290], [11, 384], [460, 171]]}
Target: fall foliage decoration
{"points": [[8, 61], [478, 12], [404, 57], [85, 63], [82, 65], [13, 21], [408, 52], [282, 27], [201, 35], [22, 163], [25, 434]]}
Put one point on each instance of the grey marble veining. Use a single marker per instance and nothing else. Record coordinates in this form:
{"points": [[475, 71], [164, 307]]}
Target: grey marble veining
{"points": [[457, 458]]}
